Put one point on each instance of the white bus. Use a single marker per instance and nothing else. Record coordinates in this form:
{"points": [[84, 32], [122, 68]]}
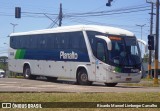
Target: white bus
{"points": [[87, 53]]}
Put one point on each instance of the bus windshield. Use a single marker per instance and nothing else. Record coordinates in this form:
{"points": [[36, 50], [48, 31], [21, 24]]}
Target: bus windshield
{"points": [[125, 51]]}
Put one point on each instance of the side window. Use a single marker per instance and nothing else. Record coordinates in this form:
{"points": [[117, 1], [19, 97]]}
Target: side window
{"points": [[63, 40], [134, 50], [117, 46], [82, 44], [33, 42], [50, 41], [93, 40], [18, 42], [27, 42], [42, 42], [12, 42], [57, 41], [77, 41], [101, 51]]}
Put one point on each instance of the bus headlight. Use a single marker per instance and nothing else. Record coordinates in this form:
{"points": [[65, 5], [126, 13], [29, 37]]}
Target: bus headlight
{"points": [[114, 71]]}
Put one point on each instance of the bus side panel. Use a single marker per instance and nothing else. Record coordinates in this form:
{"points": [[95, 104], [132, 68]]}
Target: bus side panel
{"points": [[57, 69], [15, 65], [37, 67]]}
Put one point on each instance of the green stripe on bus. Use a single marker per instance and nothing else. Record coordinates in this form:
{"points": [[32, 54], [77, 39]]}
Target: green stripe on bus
{"points": [[20, 54]]}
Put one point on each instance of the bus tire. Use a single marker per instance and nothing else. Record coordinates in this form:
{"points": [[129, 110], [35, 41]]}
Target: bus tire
{"points": [[27, 73], [111, 84], [82, 77], [51, 79]]}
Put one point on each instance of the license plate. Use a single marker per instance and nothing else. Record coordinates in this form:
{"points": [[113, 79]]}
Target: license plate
{"points": [[128, 79]]}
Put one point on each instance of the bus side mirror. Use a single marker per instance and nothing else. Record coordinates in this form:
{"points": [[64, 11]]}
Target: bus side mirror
{"points": [[107, 40], [144, 43]]}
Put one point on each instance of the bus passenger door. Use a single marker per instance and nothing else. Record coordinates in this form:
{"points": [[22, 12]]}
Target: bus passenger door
{"points": [[100, 62]]}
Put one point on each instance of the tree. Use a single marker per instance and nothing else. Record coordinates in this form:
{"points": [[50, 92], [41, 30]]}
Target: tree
{"points": [[3, 63]]}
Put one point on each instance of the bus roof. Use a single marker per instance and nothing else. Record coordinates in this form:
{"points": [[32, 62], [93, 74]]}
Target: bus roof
{"points": [[102, 29]]}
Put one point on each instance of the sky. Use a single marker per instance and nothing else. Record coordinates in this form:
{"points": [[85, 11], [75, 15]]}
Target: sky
{"points": [[126, 14]]}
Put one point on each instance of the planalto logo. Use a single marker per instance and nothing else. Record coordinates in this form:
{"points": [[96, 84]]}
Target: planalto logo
{"points": [[71, 55]]}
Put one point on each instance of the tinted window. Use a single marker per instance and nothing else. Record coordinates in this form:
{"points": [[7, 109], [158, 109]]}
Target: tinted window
{"points": [[77, 41], [61, 40], [42, 42], [101, 51], [93, 40], [68, 40], [50, 41]]}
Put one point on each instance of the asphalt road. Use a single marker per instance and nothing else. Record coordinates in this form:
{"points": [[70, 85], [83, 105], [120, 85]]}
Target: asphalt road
{"points": [[24, 85]]}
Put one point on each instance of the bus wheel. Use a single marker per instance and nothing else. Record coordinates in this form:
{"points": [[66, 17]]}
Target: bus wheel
{"points": [[51, 78], [27, 73], [111, 84], [82, 78]]}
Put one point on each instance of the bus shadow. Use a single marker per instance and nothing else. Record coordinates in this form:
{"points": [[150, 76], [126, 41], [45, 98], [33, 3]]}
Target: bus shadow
{"points": [[73, 82], [129, 86], [61, 81]]}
